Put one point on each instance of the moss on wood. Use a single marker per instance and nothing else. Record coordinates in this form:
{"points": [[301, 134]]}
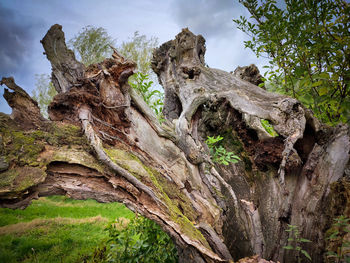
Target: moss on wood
{"points": [[19, 179], [24, 151], [167, 191], [75, 155]]}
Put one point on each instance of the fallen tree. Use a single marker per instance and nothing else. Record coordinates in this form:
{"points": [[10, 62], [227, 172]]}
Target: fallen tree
{"points": [[103, 142]]}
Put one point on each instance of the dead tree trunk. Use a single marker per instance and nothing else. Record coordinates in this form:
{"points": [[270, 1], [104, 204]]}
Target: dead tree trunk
{"points": [[104, 142]]}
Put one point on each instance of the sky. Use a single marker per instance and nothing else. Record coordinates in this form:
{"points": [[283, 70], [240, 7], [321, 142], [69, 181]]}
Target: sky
{"points": [[23, 23]]}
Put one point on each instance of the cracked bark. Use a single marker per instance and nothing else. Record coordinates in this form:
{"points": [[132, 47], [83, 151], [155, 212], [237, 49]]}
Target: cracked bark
{"points": [[214, 213]]}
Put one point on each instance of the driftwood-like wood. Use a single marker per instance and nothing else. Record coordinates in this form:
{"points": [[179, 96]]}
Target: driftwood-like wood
{"points": [[214, 213]]}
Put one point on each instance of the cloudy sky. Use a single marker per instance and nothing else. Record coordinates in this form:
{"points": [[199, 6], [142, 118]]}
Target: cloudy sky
{"points": [[23, 23]]}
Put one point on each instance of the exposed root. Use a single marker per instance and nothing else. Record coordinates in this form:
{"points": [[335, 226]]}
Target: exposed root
{"points": [[165, 130], [96, 144]]}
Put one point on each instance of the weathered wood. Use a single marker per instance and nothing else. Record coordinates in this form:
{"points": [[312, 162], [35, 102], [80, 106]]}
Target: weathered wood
{"points": [[66, 70], [214, 213], [25, 110]]}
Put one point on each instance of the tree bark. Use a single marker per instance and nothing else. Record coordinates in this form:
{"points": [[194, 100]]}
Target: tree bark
{"points": [[104, 142]]}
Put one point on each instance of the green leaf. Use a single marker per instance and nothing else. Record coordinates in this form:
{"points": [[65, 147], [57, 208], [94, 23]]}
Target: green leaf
{"points": [[219, 153], [322, 91], [333, 235], [268, 127], [304, 240], [289, 247], [331, 253], [317, 83], [306, 254]]}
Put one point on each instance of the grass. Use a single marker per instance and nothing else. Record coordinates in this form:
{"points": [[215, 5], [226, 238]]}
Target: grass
{"points": [[56, 229]]}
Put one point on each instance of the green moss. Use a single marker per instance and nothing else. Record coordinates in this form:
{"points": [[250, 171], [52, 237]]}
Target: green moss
{"points": [[20, 178], [167, 191], [129, 162], [28, 152], [76, 155], [61, 134], [171, 190], [219, 194], [179, 216], [22, 148], [29, 176], [68, 134], [7, 178]]}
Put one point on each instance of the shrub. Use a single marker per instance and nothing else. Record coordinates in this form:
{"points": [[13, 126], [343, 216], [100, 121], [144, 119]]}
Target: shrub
{"points": [[141, 241]]}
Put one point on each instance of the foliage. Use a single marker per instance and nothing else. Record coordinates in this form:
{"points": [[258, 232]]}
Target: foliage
{"points": [[141, 241], [218, 153], [139, 49], [339, 229], [153, 97], [308, 44], [295, 241], [269, 128], [92, 44], [44, 92], [55, 229]]}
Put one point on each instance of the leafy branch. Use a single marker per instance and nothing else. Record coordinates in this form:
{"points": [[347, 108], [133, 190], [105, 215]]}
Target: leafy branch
{"points": [[339, 229], [307, 44], [294, 242], [140, 240], [153, 97], [219, 153]]}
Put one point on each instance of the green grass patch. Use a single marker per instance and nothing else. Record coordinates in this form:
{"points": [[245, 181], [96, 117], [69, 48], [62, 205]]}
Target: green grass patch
{"points": [[56, 229], [61, 206]]}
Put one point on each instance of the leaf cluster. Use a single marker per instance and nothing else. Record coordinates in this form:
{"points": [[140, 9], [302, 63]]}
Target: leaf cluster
{"points": [[218, 153], [295, 241], [44, 92], [307, 43], [340, 228], [268, 127], [141, 241], [139, 49], [92, 44], [153, 97]]}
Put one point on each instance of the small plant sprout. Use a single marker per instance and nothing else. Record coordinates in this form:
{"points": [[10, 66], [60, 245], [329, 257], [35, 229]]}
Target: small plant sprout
{"points": [[340, 228], [269, 128], [218, 153], [153, 97], [294, 242]]}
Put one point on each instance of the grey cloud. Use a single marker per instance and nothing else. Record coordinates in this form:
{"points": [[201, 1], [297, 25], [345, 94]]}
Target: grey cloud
{"points": [[15, 42], [211, 18]]}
